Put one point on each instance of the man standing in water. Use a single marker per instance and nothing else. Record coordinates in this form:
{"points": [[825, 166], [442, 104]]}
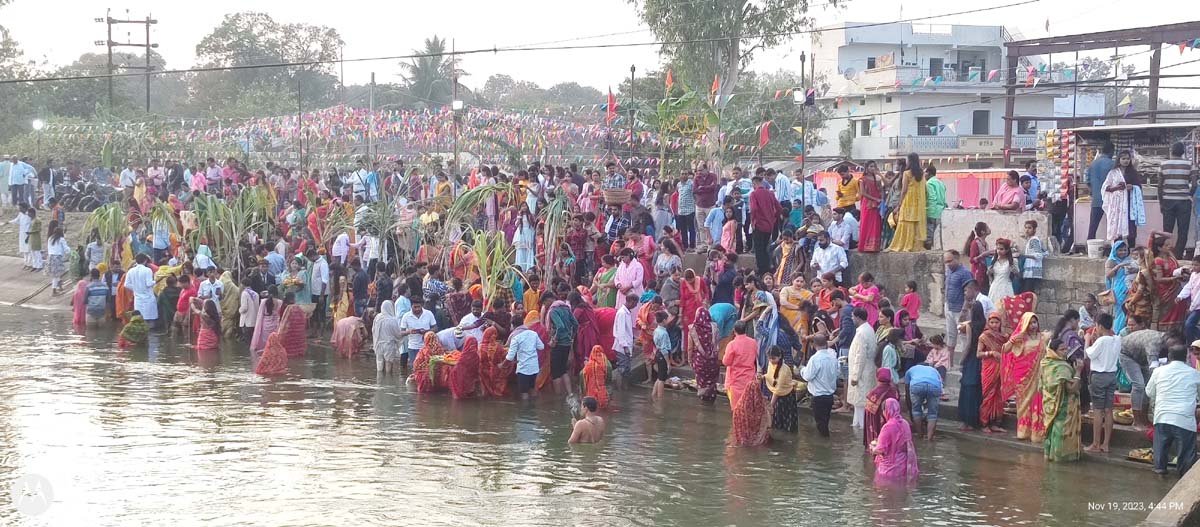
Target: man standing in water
{"points": [[140, 281], [590, 428]]}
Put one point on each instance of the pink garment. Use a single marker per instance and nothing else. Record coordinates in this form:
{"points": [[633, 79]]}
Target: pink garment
{"points": [[741, 356], [968, 192], [895, 459], [1009, 195], [911, 302], [347, 336], [629, 275], [265, 324], [79, 303], [199, 182], [871, 305]]}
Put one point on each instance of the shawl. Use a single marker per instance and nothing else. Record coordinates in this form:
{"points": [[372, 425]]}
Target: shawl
{"points": [[594, 376], [750, 417], [895, 439], [135, 332], [882, 392], [347, 336], [274, 357]]}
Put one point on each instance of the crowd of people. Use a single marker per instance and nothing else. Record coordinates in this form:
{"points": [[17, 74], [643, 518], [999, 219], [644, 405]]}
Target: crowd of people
{"points": [[795, 326]]}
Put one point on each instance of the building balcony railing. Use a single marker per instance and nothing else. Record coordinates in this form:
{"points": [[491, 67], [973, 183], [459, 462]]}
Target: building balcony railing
{"points": [[903, 76], [962, 144]]}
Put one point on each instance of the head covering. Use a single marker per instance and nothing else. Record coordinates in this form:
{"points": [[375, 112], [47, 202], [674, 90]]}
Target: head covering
{"points": [[388, 309], [476, 292], [1019, 333], [531, 317], [883, 375], [1196, 344], [102, 267], [883, 391], [595, 376], [891, 410]]}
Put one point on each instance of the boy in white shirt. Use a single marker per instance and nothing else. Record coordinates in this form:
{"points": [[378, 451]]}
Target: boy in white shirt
{"points": [[1104, 350]]}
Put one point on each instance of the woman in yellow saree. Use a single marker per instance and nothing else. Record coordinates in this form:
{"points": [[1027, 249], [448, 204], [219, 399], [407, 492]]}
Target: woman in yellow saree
{"points": [[910, 218], [1021, 376], [791, 297], [1060, 405]]}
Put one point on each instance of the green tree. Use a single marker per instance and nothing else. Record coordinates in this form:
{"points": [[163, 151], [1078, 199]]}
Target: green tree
{"points": [[573, 94], [1114, 91], [501, 91], [430, 77], [738, 28]]}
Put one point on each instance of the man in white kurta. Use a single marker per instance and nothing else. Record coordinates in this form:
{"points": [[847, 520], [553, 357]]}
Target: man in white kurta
{"points": [[862, 365], [140, 281]]}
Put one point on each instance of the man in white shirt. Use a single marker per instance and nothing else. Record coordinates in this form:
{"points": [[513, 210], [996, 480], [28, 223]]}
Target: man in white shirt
{"points": [[211, 288], [783, 187], [156, 174], [1174, 389], [319, 287], [128, 178], [140, 281], [843, 231], [359, 181], [471, 323], [623, 337], [522, 349], [1104, 350], [971, 291], [821, 372], [829, 258], [803, 189], [415, 323], [20, 177], [341, 248]]}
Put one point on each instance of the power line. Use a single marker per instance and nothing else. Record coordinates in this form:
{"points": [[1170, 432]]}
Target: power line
{"points": [[496, 50]]}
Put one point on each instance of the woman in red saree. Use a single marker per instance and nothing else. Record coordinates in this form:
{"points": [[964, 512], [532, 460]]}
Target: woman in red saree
{"points": [[274, 358], [990, 351], [293, 329], [751, 418], [1169, 311], [1015, 307], [693, 293], [464, 379], [588, 336], [420, 375], [870, 227], [594, 376], [1021, 356], [348, 336], [605, 318], [873, 411], [705, 363], [210, 327], [492, 377], [79, 304]]}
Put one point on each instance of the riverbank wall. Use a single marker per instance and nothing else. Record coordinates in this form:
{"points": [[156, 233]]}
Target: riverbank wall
{"points": [[30, 290]]}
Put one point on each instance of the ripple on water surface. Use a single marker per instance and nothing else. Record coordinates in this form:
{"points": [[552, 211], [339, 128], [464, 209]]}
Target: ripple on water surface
{"points": [[166, 436]]}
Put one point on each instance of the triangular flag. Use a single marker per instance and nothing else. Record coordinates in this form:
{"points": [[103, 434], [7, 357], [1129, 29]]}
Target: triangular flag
{"points": [[916, 81], [1196, 43], [798, 147], [926, 81], [1125, 101], [778, 94], [992, 75], [764, 134], [1183, 47], [974, 76], [798, 129], [937, 80], [716, 86], [883, 127], [1035, 81], [670, 80], [874, 123]]}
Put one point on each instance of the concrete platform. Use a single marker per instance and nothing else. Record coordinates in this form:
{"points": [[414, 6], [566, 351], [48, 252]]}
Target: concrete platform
{"points": [[30, 290]]}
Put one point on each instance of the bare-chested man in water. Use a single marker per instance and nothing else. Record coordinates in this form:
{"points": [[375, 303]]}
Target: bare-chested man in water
{"points": [[589, 429]]}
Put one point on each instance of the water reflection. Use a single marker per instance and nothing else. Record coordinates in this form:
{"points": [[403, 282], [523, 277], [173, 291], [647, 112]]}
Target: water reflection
{"points": [[167, 436]]}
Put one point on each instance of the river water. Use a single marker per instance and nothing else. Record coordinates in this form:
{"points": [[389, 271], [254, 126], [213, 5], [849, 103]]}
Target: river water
{"points": [[164, 437]]}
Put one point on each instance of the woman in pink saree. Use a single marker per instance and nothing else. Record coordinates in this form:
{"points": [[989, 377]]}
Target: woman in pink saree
{"points": [[693, 294], [79, 304], [348, 336], [267, 321], [1020, 373], [895, 457], [866, 295]]}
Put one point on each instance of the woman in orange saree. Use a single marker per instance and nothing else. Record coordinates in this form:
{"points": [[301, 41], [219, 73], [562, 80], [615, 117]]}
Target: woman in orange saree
{"points": [[594, 376], [533, 322], [293, 329], [274, 358], [1022, 355], [420, 375], [464, 379], [693, 293], [492, 376], [751, 419], [991, 349]]}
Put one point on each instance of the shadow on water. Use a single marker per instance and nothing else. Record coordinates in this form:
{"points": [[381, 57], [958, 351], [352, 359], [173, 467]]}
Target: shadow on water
{"points": [[166, 436]]}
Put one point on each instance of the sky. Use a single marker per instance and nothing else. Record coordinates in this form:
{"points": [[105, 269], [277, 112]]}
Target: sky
{"points": [[377, 29]]}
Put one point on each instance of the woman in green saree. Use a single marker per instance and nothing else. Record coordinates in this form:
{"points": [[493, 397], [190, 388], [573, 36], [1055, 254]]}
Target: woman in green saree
{"points": [[1060, 404], [604, 289]]}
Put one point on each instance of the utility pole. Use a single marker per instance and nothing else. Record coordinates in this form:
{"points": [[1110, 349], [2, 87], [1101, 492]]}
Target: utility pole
{"points": [[109, 21], [456, 105], [632, 100], [371, 123], [803, 125], [299, 123]]}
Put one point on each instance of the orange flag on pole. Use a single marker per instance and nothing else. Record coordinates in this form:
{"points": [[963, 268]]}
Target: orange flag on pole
{"points": [[716, 86], [611, 112], [764, 134], [670, 81]]}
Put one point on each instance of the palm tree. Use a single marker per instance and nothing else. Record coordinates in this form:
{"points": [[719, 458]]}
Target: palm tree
{"points": [[430, 77]]}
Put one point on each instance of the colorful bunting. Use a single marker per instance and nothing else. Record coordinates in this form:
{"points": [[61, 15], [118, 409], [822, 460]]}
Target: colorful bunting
{"points": [[992, 75]]}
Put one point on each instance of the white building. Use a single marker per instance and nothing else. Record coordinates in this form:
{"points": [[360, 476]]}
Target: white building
{"points": [[936, 90]]}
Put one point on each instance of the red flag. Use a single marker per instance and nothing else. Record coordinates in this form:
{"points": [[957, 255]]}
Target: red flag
{"points": [[778, 93], [716, 85], [612, 107], [764, 134], [670, 81]]}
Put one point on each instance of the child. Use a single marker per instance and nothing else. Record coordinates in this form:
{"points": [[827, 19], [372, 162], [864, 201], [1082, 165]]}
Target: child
{"points": [[911, 301], [662, 348], [1034, 253], [796, 215], [938, 355], [1088, 312]]}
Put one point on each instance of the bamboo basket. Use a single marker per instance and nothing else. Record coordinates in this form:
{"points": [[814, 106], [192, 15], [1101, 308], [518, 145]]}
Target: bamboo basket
{"points": [[617, 196]]}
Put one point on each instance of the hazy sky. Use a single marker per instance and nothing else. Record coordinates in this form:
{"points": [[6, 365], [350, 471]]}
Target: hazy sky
{"points": [[58, 31]]}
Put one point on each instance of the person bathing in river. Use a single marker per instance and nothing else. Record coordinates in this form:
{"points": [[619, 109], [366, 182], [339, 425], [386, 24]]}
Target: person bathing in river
{"points": [[589, 428]]}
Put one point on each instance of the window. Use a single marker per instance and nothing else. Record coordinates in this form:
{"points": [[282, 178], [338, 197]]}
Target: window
{"points": [[927, 126], [870, 63], [980, 122], [864, 128], [1026, 127], [887, 99], [935, 67]]}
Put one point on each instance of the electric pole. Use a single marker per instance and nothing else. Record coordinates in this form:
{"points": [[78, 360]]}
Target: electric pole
{"points": [[109, 21]]}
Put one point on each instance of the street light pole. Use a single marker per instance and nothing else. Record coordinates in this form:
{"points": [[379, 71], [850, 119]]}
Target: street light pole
{"points": [[632, 99]]}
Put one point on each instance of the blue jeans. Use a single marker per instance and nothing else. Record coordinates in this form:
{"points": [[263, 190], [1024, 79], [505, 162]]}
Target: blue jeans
{"points": [[360, 305], [1164, 435], [1191, 326], [925, 400]]}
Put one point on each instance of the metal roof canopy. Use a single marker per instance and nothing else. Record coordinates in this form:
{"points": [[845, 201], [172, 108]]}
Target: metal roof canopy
{"points": [[1144, 126], [1153, 36]]}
